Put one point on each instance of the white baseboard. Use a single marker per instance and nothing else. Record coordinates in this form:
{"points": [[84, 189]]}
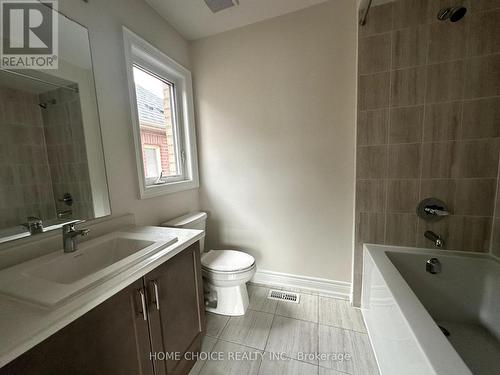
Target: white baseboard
{"points": [[325, 287]]}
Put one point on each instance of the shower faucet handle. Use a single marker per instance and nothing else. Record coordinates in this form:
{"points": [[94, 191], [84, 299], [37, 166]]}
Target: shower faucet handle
{"points": [[436, 210], [432, 209]]}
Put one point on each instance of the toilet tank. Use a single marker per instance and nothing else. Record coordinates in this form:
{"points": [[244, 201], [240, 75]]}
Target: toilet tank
{"points": [[193, 220]]}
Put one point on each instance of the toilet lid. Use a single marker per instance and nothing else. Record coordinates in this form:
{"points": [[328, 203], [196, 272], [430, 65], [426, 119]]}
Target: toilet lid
{"points": [[227, 260]]}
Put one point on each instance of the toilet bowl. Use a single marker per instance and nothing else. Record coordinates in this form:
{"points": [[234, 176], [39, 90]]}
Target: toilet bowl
{"points": [[225, 272]]}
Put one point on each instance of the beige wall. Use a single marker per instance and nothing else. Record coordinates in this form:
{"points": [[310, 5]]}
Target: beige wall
{"points": [[275, 106], [105, 19]]}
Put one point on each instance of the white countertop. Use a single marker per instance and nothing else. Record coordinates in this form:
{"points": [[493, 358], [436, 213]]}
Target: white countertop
{"points": [[23, 325]]}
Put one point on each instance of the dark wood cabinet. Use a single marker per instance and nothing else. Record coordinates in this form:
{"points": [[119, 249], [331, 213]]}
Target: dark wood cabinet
{"points": [[161, 313], [174, 288]]}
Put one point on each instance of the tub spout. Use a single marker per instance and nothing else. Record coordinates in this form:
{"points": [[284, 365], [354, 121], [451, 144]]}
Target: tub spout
{"points": [[438, 241]]}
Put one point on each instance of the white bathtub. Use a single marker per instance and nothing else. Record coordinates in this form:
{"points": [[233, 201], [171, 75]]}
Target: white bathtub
{"points": [[401, 304]]}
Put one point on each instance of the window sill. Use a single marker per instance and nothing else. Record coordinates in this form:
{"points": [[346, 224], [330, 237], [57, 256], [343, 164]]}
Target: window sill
{"points": [[152, 191]]}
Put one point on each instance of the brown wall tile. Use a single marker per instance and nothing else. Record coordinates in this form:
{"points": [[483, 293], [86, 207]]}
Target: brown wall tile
{"points": [[478, 5], [482, 75], [447, 41], [404, 161], [484, 33], [409, 47], [475, 197], [477, 158], [401, 229], [442, 121], [370, 228], [374, 53], [402, 195], [481, 119], [444, 82], [371, 162], [370, 195], [372, 127], [438, 159], [406, 125], [379, 20], [373, 91], [470, 233], [408, 86], [410, 13]]}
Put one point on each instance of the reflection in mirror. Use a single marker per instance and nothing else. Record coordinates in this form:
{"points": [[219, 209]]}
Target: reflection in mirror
{"points": [[51, 160]]}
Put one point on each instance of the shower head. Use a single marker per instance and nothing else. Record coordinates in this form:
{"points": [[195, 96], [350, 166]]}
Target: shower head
{"points": [[454, 14]]}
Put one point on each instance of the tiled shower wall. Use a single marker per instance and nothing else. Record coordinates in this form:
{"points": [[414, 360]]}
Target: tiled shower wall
{"points": [[66, 151], [25, 184], [428, 124], [42, 156]]}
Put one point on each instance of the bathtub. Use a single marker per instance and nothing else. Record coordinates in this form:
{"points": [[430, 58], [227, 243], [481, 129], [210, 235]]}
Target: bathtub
{"points": [[403, 306]]}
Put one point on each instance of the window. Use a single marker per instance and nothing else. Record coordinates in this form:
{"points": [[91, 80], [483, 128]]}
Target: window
{"points": [[155, 110], [162, 117]]}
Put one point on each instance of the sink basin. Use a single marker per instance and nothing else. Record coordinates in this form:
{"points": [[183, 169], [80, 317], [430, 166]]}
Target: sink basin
{"points": [[50, 280], [72, 267]]}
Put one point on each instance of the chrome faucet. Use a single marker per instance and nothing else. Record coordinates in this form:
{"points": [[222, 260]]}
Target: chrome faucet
{"points": [[438, 241], [70, 233]]}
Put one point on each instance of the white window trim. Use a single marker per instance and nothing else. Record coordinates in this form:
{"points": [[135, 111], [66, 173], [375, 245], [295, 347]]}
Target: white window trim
{"points": [[140, 52]]}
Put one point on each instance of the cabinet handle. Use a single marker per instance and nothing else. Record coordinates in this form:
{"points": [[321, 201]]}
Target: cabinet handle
{"points": [[143, 303], [157, 294]]}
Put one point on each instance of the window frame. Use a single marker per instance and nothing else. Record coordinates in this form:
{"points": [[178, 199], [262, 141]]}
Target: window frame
{"points": [[145, 56], [178, 131]]}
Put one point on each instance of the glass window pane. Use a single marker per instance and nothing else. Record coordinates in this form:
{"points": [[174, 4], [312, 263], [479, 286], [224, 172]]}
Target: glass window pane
{"points": [[155, 108], [152, 162]]}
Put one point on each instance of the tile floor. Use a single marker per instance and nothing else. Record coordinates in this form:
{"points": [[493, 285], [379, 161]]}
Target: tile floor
{"points": [[294, 332]]}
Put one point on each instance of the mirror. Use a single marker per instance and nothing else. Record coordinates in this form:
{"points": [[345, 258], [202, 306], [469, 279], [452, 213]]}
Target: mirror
{"points": [[51, 157]]}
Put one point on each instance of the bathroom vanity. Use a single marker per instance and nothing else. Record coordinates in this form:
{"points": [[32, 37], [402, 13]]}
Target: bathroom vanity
{"points": [[147, 318]]}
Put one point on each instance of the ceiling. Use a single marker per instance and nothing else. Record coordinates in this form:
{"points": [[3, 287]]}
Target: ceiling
{"points": [[194, 20]]}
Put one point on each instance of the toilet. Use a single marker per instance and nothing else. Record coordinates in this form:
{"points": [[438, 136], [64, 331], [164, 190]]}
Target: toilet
{"points": [[225, 272]]}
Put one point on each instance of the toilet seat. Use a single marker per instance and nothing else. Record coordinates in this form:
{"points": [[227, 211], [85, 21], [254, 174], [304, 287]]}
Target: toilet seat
{"points": [[227, 261]]}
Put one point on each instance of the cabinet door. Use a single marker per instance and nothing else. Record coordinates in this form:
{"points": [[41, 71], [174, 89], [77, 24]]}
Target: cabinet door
{"points": [[112, 338], [176, 311]]}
